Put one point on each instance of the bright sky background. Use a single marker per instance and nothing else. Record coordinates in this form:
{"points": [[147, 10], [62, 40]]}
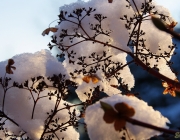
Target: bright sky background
{"points": [[22, 23]]}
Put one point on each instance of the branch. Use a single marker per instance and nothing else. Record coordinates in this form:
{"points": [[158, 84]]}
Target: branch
{"points": [[136, 122], [2, 114], [154, 72], [174, 34], [120, 68]]}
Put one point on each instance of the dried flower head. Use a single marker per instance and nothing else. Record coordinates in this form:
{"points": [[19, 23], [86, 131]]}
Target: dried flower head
{"points": [[172, 25], [94, 79], [116, 115], [169, 88], [9, 66]]}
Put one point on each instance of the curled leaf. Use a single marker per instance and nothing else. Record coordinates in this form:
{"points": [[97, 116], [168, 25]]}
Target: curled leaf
{"points": [[52, 29], [9, 66]]}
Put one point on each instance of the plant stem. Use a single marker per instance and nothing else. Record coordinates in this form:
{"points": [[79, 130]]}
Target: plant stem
{"points": [[174, 34], [154, 72], [136, 122], [4, 96], [144, 66], [120, 68], [32, 115], [3, 84], [2, 114]]}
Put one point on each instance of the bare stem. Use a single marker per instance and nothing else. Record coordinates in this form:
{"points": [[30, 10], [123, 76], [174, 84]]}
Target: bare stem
{"points": [[136, 7], [32, 115], [2, 114], [174, 34], [4, 96], [136, 122], [109, 75]]}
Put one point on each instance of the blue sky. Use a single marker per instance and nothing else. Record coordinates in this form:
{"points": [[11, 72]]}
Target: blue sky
{"points": [[22, 23]]}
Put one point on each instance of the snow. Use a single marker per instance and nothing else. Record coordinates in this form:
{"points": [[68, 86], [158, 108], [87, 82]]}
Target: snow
{"points": [[96, 126], [19, 102]]}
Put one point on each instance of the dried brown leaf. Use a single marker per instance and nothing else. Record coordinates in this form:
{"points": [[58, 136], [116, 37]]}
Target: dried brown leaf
{"points": [[52, 29]]}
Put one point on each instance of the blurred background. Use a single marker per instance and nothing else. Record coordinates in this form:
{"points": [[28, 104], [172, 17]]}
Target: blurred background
{"points": [[22, 23]]}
